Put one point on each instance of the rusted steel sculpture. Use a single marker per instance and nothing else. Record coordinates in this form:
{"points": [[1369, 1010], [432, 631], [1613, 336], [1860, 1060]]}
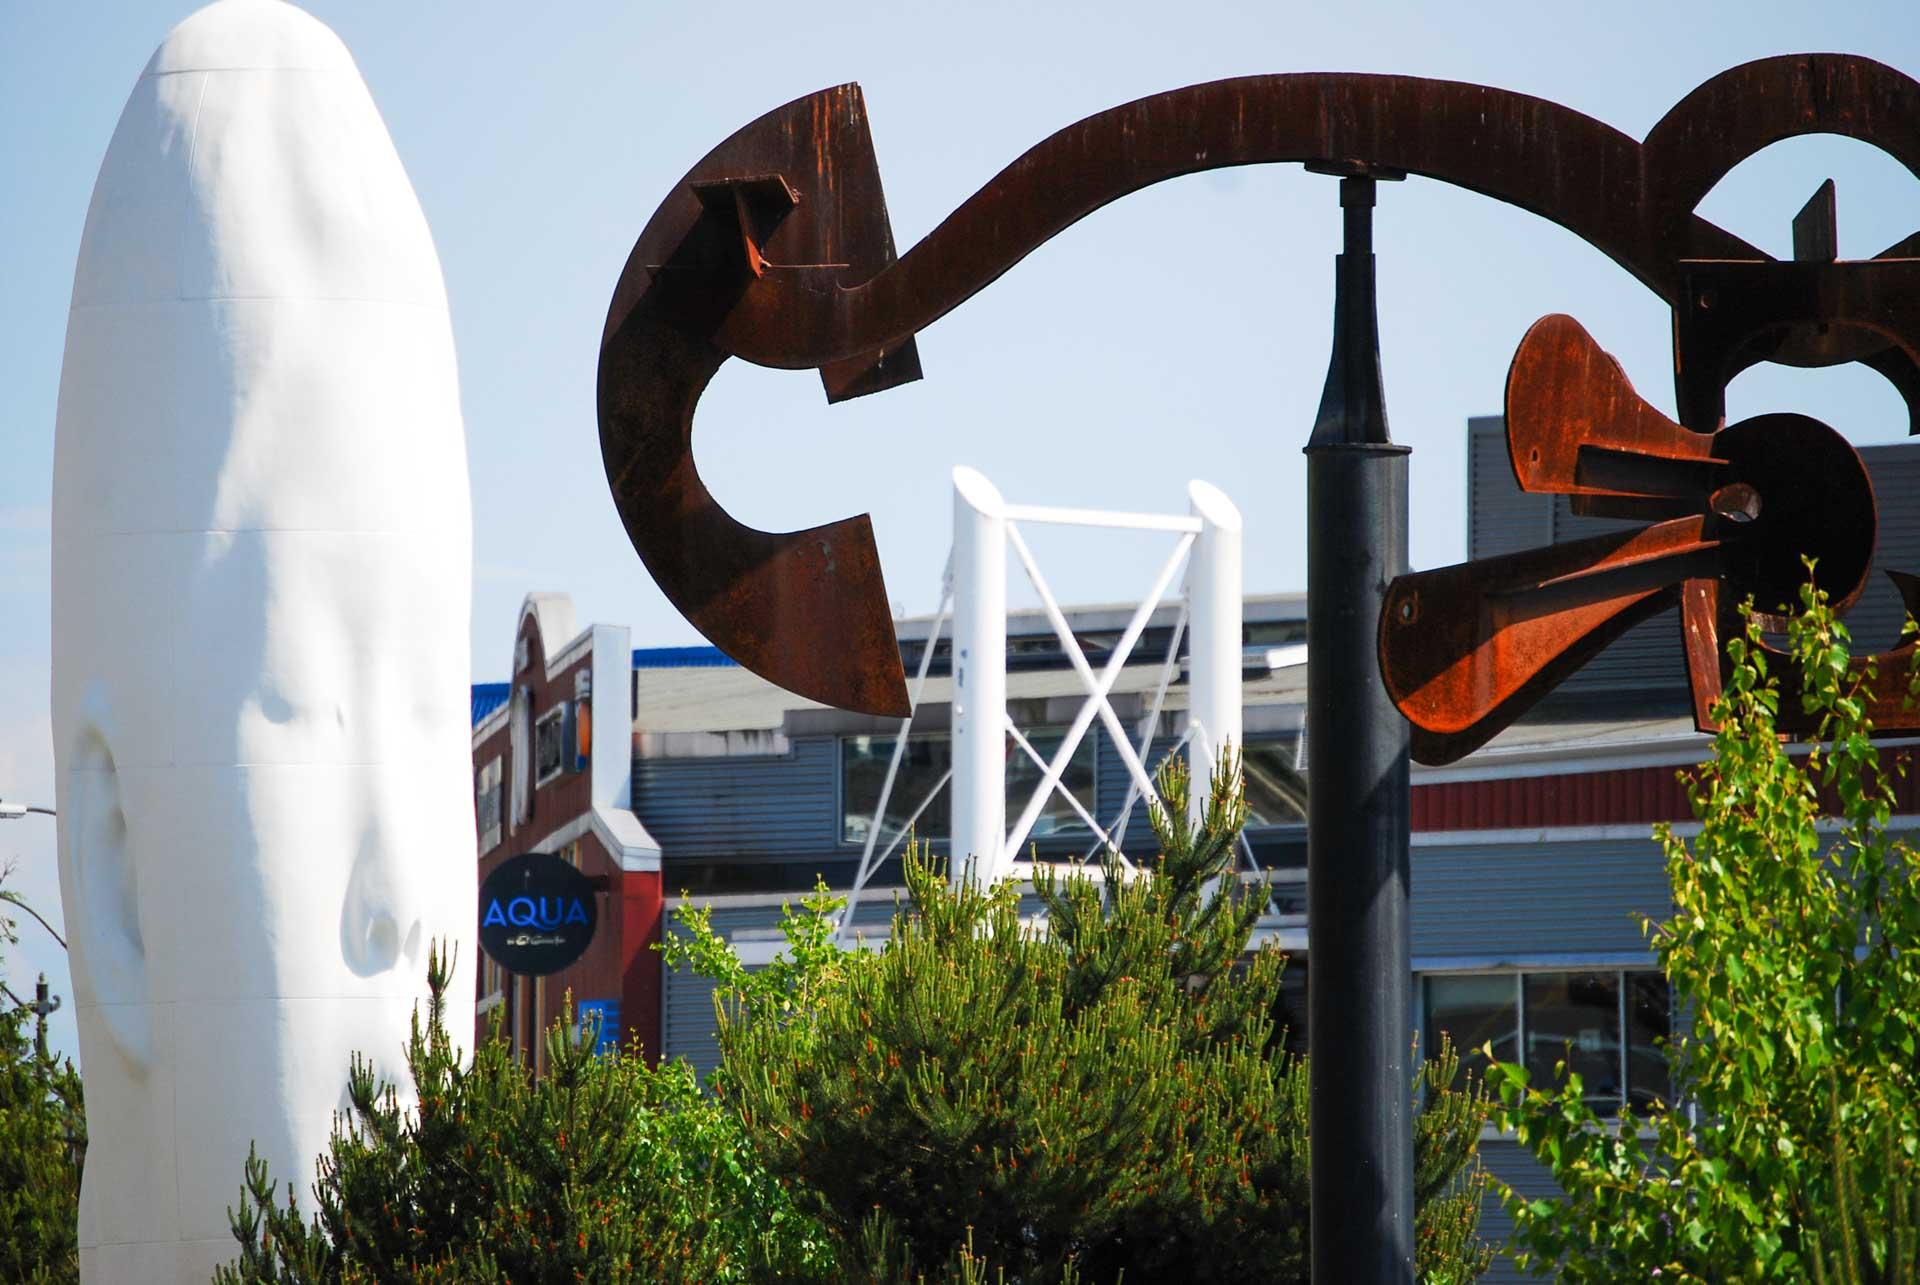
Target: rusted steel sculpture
{"points": [[776, 249], [1466, 649], [1732, 510]]}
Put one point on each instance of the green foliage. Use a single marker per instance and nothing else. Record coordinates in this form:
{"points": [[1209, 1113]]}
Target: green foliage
{"points": [[792, 981], [1856, 1243], [981, 1100], [42, 1135], [1792, 954], [604, 1170]]}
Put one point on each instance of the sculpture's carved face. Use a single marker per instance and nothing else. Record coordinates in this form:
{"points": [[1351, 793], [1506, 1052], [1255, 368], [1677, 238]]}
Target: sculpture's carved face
{"points": [[261, 585]]}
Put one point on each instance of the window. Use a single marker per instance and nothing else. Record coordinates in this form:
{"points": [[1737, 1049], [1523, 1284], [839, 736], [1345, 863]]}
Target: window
{"points": [[486, 800], [550, 757], [929, 757], [1605, 1025], [1276, 792], [521, 733], [1057, 816]]}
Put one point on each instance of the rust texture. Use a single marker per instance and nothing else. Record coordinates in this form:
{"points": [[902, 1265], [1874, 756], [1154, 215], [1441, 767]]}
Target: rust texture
{"points": [[776, 249], [1466, 649]]}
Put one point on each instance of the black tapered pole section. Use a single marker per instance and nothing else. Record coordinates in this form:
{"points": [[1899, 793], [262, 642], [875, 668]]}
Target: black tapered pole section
{"points": [[1359, 978]]}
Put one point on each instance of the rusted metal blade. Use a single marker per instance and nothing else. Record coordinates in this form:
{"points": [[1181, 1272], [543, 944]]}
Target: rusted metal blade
{"points": [[1576, 427], [1467, 649]]}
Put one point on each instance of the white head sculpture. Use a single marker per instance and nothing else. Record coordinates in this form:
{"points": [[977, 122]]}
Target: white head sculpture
{"points": [[262, 534]]}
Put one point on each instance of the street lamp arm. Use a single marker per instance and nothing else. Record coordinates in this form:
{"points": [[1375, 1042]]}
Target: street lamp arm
{"points": [[14, 899]]}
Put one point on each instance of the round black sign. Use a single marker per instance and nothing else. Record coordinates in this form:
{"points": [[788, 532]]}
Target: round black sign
{"points": [[537, 914]]}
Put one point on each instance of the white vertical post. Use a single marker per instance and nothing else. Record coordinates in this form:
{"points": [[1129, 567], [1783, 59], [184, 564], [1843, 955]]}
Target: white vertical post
{"points": [[1213, 598], [979, 676]]}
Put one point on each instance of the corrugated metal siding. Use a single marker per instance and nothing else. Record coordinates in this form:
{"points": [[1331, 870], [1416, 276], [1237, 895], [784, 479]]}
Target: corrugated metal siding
{"points": [[1648, 659], [487, 697], [688, 1026], [1627, 795], [1501, 518], [1514, 1165], [742, 807], [1876, 619], [1112, 779], [874, 913], [682, 658], [1526, 899]]}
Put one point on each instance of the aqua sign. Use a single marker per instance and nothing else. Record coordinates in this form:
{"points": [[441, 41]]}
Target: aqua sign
{"points": [[537, 914]]}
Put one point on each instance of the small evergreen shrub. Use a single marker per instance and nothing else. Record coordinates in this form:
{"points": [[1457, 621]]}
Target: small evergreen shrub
{"points": [[605, 1170], [981, 1100]]}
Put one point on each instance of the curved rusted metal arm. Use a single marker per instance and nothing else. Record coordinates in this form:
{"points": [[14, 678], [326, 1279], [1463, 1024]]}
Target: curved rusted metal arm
{"points": [[1510, 146], [776, 249]]}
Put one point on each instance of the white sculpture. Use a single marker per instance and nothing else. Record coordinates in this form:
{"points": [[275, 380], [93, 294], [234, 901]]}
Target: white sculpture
{"points": [[262, 572]]}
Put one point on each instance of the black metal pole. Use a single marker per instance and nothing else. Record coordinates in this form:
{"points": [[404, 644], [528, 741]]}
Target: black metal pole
{"points": [[42, 1005], [1359, 978]]}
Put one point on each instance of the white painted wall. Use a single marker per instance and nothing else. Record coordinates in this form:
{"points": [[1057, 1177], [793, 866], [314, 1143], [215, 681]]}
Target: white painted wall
{"points": [[261, 560]]}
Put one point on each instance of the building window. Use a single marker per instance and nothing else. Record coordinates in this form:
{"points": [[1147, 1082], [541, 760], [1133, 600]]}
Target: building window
{"points": [[486, 799], [521, 734], [550, 748], [1605, 1025], [928, 760], [1276, 792]]}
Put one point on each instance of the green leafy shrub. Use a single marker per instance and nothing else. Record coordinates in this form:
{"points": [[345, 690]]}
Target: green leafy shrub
{"points": [[1792, 1151], [981, 1100], [604, 1170]]}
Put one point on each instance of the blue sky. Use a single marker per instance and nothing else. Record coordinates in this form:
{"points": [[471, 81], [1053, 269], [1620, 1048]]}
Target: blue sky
{"points": [[1181, 333]]}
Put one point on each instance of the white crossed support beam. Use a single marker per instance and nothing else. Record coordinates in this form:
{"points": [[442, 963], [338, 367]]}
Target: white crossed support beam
{"points": [[985, 527]]}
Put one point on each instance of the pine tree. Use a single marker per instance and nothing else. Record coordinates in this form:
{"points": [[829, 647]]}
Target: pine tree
{"points": [[603, 1170], [1106, 1095], [42, 1140]]}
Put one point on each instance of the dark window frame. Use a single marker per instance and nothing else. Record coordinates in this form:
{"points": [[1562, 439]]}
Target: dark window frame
{"points": [[1628, 1083], [1043, 739]]}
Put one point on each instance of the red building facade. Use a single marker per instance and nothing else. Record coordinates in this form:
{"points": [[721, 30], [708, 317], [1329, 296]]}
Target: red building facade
{"points": [[552, 763]]}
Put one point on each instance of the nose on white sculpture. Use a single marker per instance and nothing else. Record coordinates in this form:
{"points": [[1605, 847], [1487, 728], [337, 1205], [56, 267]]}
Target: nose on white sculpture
{"points": [[381, 922]]}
